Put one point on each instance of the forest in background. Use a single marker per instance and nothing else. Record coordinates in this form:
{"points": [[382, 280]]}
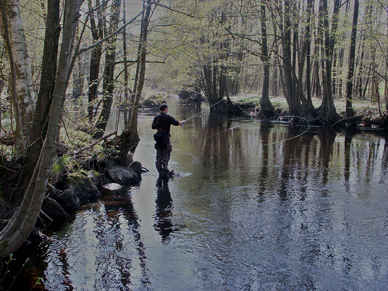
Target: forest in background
{"points": [[66, 65]]}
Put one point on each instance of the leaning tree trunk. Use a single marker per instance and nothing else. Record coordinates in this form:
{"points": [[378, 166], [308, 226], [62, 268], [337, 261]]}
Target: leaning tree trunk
{"points": [[47, 84], [22, 93], [267, 110], [21, 224], [110, 63], [352, 55]]}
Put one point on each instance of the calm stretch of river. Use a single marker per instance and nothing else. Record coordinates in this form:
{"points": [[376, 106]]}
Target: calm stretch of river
{"points": [[249, 212]]}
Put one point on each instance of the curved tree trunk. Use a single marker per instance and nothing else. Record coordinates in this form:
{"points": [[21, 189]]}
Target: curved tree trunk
{"points": [[21, 224]]}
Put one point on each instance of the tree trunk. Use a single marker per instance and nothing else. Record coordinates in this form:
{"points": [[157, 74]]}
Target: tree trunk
{"points": [[78, 77], [21, 224], [47, 84], [129, 139], [275, 78], [327, 108], [110, 62], [267, 109], [352, 55], [95, 59], [289, 84], [310, 8], [22, 92], [127, 91]]}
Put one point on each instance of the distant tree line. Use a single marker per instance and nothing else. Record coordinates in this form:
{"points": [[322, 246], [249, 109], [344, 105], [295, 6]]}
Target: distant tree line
{"points": [[296, 49]]}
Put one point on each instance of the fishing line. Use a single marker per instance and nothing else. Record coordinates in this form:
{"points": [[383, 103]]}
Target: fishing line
{"points": [[287, 116], [255, 121], [243, 123], [204, 110]]}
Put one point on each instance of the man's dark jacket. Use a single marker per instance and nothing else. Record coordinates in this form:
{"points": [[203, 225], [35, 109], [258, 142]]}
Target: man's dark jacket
{"points": [[162, 122]]}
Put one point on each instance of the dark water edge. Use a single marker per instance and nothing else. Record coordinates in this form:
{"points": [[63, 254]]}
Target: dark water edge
{"points": [[250, 211]]}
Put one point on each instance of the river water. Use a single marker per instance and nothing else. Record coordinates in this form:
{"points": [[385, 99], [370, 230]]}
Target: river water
{"points": [[252, 209]]}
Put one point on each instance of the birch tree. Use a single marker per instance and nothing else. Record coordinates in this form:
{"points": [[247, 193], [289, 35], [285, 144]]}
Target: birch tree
{"points": [[22, 222], [21, 86]]}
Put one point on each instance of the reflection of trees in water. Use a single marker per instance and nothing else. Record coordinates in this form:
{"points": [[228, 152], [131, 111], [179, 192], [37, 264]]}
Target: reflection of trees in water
{"points": [[163, 213], [347, 158], [222, 149], [122, 207], [307, 167], [98, 253], [384, 163]]}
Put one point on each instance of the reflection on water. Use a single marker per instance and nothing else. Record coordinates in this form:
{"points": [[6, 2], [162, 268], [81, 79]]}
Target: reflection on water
{"points": [[163, 211], [250, 211]]}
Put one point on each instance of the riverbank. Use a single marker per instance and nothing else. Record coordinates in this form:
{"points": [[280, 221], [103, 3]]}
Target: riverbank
{"points": [[367, 113]]}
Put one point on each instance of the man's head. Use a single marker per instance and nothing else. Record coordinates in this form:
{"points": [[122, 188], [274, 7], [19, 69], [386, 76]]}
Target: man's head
{"points": [[163, 108]]}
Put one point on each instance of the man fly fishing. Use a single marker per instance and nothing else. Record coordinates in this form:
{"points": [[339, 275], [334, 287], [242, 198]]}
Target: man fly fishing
{"points": [[162, 123]]}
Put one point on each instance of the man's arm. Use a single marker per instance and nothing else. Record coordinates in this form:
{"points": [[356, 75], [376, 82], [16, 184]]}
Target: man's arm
{"points": [[175, 122]]}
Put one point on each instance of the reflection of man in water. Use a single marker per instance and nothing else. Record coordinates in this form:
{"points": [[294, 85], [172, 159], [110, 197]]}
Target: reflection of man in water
{"points": [[163, 212], [162, 122]]}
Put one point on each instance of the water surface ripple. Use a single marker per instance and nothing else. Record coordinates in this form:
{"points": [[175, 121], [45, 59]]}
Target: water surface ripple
{"points": [[249, 212]]}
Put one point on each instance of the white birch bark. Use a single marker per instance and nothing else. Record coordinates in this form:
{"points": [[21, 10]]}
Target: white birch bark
{"points": [[21, 63]]}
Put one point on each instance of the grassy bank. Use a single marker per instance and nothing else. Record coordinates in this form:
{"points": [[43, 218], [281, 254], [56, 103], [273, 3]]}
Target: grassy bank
{"points": [[361, 108]]}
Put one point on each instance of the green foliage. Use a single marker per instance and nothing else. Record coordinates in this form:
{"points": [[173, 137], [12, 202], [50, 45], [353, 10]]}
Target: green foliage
{"points": [[77, 150], [64, 163]]}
